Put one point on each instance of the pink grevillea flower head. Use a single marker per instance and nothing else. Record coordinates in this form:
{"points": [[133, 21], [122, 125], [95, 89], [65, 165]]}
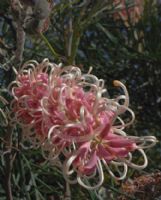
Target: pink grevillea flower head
{"points": [[65, 113], [128, 11]]}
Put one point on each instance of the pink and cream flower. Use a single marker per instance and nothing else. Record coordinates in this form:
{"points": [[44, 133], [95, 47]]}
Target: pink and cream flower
{"points": [[128, 11], [66, 114]]}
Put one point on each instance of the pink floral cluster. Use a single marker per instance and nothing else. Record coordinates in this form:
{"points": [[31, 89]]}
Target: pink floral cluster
{"points": [[128, 10], [65, 113]]}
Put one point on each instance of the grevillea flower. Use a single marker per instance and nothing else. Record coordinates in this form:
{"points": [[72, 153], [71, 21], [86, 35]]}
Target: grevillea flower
{"points": [[65, 113], [128, 10]]}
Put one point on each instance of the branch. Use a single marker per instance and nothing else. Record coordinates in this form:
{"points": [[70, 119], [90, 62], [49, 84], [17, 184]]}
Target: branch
{"points": [[68, 192], [20, 43], [8, 163], [70, 33], [20, 40]]}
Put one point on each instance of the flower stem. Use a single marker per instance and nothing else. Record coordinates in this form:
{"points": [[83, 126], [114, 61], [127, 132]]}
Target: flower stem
{"points": [[49, 45]]}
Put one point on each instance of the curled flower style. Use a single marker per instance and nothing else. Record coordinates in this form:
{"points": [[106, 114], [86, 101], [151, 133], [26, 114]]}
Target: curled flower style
{"points": [[66, 114]]}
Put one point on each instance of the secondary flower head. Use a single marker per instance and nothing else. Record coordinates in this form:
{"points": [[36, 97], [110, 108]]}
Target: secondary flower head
{"points": [[66, 114], [128, 11]]}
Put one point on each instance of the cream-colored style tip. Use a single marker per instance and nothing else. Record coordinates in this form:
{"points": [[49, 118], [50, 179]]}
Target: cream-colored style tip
{"points": [[116, 83]]}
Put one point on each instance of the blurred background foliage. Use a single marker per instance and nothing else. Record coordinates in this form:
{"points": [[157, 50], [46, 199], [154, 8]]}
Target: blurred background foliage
{"points": [[90, 33]]}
